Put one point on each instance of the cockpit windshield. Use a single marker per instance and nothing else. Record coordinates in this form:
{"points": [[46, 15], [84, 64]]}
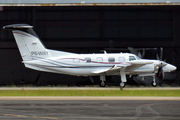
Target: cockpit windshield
{"points": [[138, 57], [131, 58], [134, 58]]}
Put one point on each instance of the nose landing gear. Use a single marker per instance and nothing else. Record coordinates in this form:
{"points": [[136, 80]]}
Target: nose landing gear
{"points": [[154, 82]]}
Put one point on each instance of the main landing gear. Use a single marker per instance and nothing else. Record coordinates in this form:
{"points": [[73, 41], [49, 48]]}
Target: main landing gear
{"points": [[122, 83], [123, 78], [102, 82]]}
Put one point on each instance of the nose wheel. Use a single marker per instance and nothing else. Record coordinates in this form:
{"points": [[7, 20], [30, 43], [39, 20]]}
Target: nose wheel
{"points": [[154, 82]]}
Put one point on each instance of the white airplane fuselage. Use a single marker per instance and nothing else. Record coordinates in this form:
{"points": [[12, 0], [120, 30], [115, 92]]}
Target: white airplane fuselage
{"points": [[77, 65]]}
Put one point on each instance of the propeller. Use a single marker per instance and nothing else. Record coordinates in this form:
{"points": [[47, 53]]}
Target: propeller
{"points": [[161, 73], [162, 64], [160, 70]]}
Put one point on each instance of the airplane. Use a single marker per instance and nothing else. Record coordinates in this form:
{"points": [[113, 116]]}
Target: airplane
{"points": [[36, 56]]}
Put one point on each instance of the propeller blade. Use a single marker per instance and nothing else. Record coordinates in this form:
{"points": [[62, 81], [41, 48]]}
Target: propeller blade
{"points": [[135, 51], [157, 56], [139, 54], [161, 73], [161, 53], [143, 53]]}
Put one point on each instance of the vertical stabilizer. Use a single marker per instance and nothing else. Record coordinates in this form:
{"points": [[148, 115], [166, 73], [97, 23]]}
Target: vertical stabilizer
{"points": [[28, 42]]}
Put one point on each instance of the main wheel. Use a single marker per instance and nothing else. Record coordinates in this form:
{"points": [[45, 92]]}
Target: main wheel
{"points": [[154, 84], [102, 84], [122, 84]]}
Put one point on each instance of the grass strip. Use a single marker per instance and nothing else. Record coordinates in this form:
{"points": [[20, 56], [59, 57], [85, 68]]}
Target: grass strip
{"points": [[173, 93]]}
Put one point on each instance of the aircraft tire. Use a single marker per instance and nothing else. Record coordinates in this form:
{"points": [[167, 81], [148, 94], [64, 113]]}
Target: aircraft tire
{"points": [[122, 84], [154, 84], [102, 84]]}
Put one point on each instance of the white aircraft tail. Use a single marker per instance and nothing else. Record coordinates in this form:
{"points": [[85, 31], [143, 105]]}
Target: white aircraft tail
{"points": [[28, 42]]}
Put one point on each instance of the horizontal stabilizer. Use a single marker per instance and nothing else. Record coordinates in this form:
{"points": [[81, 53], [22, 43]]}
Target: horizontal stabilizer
{"points": [[17, 26]]}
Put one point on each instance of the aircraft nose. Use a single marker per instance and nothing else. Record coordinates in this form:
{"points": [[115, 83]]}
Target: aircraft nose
{"points": [[173, 67], [169, 68]]}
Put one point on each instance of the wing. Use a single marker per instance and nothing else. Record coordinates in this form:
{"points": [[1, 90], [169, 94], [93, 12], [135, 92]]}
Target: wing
{"points": [[114, 67], [131, 65], [135, 64]]}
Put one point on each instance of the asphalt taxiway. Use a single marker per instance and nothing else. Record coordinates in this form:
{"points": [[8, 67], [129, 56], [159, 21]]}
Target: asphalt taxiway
{"points": [[89, 110]]}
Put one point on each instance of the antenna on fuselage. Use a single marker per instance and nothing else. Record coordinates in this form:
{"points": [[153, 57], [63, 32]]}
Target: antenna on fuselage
{"points": [[104, 51]]}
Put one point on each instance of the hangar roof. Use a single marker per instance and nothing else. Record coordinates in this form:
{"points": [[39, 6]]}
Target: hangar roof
{"points": [[86, 2]]}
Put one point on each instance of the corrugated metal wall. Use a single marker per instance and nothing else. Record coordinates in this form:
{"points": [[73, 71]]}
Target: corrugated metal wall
{"points": [[95, 23]]}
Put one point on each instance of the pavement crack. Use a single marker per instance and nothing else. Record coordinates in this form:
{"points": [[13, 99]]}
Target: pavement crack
{"points": [[139, 112]]}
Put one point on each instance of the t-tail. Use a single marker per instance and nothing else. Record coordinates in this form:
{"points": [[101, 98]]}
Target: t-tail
{"points": [[29, 44]]}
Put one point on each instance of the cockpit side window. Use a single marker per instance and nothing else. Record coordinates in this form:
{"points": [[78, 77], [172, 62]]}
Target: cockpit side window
{"points": [[131, 58]]}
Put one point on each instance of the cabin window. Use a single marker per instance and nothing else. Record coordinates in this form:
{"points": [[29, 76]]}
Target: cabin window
{"points": [[99, 59], [111, 59], [121, 59], [87, 59], [76, 60], [131, 58]]}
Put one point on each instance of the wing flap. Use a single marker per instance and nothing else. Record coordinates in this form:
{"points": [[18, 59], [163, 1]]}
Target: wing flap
{"points": [[106, 70]]}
